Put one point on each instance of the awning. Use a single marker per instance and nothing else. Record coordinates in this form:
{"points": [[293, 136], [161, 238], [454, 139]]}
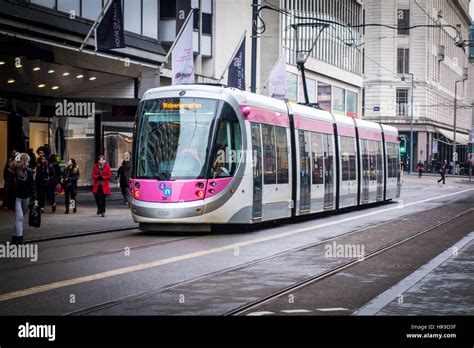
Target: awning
{"points": [[461, 139]]}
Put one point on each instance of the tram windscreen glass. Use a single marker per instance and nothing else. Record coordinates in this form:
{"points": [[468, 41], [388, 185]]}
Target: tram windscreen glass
{"points": [[174, 138]]}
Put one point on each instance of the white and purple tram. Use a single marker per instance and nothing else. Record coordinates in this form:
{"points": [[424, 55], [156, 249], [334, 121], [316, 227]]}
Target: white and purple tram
{"points": [[207, 155]]}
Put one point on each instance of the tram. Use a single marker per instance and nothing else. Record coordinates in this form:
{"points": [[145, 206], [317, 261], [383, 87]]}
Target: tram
{"points": [[211, 155]]}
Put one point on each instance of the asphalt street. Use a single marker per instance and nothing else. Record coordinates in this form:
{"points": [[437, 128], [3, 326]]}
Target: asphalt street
{"points": [[135, 273]]}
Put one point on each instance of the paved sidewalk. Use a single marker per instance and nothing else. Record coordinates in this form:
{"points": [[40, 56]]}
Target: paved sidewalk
{"points": [[85, 221], [443, 286]]}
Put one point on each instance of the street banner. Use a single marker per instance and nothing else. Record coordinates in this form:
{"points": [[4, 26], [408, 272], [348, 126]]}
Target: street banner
{"points": [[277, 79], [183, 59], [109, 33], [236, 77]]}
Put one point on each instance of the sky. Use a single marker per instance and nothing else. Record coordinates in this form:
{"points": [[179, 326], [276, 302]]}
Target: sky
{"points": [[471, 9]]}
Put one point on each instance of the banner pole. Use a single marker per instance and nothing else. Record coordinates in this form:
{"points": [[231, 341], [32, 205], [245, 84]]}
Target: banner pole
{"points": [[233, 54], [104, 9], [175, 41]]}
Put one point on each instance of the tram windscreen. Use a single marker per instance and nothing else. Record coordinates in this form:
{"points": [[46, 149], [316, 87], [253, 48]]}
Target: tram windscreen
{"points": [[173, 138]]}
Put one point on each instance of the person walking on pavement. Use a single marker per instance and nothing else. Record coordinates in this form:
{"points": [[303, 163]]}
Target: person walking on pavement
{"points": [[54, 180], [123, 174], [420, 169], [442, 171], [101, 175], [42, 181], [24, 190], [69, 182]]}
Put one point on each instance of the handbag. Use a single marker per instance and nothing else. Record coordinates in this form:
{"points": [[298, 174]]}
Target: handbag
{"points": [[34, 216]]}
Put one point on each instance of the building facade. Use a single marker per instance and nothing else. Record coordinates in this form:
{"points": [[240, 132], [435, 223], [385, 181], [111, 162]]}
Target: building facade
{"points": [[423, 64], [334, 62], [82, 103]]}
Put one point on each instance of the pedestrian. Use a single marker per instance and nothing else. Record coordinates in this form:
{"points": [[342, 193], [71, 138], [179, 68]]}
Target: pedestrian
{"points": [[32, 163], [123, 174], [8, 176], [69, 182], [42, 180], [442, 171], [420, 169], [24, 191], [101, 175], [54, 179]]}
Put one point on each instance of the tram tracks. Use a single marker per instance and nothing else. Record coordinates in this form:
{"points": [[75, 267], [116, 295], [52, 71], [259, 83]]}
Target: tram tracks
{"points": [[317, 278], [253, 304]]}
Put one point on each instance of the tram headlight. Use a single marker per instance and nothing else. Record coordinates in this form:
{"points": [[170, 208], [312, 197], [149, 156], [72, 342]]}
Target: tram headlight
{"points": [[200, 193], [137, 194]]}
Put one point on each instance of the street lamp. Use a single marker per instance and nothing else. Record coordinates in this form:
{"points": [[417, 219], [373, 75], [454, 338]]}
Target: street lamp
{"points": [[464, 78]]}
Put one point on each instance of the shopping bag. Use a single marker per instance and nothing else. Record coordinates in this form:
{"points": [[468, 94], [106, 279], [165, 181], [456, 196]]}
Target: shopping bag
{"points": [[60, 189], [34, 217]]}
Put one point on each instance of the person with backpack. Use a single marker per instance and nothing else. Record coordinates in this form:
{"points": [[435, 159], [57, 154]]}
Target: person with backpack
{"points": [[69, 182], [24, 189]]}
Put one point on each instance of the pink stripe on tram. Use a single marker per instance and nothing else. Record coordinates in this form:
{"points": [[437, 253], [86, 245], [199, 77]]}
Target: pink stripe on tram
{"points": [[369, 135], [346, 131], [313, 125], [391, 138], [266, 116]]}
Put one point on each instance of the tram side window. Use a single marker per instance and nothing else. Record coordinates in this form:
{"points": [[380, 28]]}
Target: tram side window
{"points": [[344, 153], [392, 160], [227, 147], [329, 156], [317, 148], [365, 158], [348, 158], [282, 155], [397, 159], [372, 160], [352, 158], [379, 158], [269, 154]]}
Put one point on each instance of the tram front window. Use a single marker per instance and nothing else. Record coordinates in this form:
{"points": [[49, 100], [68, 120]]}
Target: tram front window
{"points": [[173, 138]]}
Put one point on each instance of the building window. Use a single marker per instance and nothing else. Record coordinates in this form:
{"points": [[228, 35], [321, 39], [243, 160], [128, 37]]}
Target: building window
{"points": [[167, 8], [324, 96], [403, 17], [351, 104], [402, 102], [338, 106], [207, 23], [292, 86], [403, 66]]}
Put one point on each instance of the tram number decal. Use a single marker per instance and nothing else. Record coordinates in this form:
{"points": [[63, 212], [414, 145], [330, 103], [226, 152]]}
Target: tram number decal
{"points": [[166, 190]]}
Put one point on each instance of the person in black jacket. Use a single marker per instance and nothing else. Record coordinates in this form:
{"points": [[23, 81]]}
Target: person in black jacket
{"points": [[54, 180], [69, 181], [123, 174], [8, 194], [442, 172], [42, 180], [25, 190]]}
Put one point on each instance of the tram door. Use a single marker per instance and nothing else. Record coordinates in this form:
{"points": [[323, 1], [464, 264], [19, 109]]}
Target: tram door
{"points": [[305, 172], [257, 171], [380, 170], [328, 152]]}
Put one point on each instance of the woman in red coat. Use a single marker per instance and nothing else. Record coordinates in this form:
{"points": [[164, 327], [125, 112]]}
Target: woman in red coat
{"points": [[101, 188]]}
